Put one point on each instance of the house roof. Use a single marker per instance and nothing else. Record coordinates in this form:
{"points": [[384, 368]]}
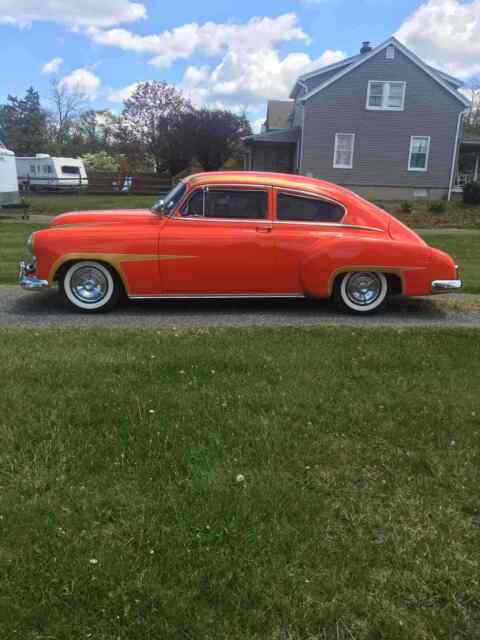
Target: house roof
{"points": [[439, 76], [470, 138], [287, 136], [278, 114]]}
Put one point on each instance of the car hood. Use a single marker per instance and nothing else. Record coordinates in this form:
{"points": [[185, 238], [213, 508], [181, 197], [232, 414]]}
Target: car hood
{"points": [[120, 216]]}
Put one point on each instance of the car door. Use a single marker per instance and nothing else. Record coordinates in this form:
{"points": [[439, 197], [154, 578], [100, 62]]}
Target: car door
{"points": [[302, 221], [219, 243]]}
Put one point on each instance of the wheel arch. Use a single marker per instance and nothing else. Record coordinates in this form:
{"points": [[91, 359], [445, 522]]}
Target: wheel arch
{"points": [[394, 276], [60, 267]]}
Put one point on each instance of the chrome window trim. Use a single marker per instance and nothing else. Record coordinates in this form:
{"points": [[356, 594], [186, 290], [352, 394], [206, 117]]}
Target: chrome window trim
{"points": [[315, 196], [337, 225], [270, 221], [258, 187]]}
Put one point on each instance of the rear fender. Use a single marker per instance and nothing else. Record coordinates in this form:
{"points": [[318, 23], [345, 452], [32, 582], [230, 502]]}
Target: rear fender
{"points": [[341, 255]]}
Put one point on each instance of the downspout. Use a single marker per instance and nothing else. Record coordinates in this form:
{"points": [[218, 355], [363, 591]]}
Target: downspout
{"points": [[455, 153], [300, 158]]}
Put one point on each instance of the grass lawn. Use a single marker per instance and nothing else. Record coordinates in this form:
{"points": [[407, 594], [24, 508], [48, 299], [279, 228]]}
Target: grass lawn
{"points": [[358, 517], [456, 215], [55, 204], [464, 248]]}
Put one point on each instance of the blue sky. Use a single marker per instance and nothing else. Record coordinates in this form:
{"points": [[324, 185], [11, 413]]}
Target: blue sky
{"points": [[221, 53]]}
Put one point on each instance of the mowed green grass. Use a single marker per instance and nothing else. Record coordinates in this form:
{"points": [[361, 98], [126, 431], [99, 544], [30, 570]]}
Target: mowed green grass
{"points": [[55, 204], [358, 514], [463, 247]]}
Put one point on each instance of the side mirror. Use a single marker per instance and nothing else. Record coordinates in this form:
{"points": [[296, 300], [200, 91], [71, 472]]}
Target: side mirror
{"points": [[159, 207]]}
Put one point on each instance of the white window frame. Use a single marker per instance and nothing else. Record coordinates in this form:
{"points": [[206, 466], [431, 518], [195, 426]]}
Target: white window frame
{"points": [[427, 158], [343, 166], [390, 52], [384, 106]]}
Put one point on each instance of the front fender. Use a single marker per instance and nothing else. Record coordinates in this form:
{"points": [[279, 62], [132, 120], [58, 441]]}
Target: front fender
{"points": [[329, 258]]}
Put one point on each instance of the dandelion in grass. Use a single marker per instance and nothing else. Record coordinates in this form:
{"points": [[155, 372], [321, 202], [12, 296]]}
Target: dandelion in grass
{"points": [[240, 478], [93, 561]]}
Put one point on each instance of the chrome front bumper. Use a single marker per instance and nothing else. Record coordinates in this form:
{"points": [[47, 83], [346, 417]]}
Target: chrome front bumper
{"points": [[446, 286], [26, 278]]}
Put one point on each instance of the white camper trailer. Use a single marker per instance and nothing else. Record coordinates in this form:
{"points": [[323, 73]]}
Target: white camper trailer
{"points": [[8, 177], [46, 173]]}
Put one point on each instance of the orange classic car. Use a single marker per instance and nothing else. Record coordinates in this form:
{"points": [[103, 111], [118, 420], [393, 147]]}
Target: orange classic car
{"points": [[238, 235]]}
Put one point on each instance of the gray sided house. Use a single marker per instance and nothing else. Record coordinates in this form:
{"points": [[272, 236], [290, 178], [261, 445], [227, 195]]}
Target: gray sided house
{"points": [[382, 123]]}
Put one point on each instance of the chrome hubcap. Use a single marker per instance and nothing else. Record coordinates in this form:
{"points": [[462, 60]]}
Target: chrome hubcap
{"points": [[363, 288], [89, 284]]}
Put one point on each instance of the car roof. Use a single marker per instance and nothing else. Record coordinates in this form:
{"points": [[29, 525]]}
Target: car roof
{"points": [[270, 179]]}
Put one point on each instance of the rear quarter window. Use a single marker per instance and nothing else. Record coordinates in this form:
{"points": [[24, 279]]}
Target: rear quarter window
{"points": [[304, 209]]}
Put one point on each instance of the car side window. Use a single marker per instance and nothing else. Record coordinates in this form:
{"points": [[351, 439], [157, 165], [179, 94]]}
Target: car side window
{"points": [[305, 209], [237, 204], [194, 205]]}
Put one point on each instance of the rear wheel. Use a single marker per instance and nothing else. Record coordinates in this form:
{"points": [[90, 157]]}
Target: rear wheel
{"points": [[91, 287], [360, 292]]}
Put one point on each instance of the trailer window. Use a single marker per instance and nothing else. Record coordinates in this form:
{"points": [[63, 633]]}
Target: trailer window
{"points": [[70, 170], [32, 169]]}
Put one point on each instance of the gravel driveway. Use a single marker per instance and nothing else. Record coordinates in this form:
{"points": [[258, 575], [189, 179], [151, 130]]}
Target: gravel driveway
{"points": [[46, 308]]}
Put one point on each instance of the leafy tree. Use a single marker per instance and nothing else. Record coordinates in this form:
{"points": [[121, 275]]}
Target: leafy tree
{"points": [[23, 124], [101, 161], [149, 119], [218, 137]]}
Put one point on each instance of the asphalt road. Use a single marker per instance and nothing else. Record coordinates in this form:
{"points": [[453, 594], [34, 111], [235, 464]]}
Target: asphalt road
{"points": [[46, 308]]}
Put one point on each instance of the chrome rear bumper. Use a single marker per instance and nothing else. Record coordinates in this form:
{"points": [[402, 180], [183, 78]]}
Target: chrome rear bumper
{"points": [[446, 286], [26, 278]]}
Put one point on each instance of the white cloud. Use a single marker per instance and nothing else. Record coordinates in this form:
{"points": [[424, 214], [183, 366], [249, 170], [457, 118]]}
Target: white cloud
{"points": [[210, 39], [246, 78], [82, 82], [446, 33], [257, 125], [248, 66], [121, 94], [103, 13], [52, 66]]}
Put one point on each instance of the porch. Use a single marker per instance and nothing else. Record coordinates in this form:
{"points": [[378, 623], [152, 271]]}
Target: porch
{"points": [[468, 162], [272, 151]]}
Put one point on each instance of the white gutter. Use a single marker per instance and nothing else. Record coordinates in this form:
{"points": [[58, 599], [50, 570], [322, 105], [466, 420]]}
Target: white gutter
{"points": [[302, 106], [455, 151]]}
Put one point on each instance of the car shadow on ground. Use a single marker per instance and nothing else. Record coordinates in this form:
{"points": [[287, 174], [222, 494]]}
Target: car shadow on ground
{"points": [[51, 303]]}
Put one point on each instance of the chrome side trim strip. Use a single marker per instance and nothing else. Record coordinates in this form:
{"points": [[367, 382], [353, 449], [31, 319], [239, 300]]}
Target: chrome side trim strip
{"points": [[215, 296], [336, 225]]}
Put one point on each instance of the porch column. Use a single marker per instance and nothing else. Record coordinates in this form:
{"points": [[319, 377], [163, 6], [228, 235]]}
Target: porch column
{"points": [[477, 163]]}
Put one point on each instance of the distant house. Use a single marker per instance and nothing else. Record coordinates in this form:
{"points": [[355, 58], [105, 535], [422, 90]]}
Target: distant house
{"points": [[383, 123]]}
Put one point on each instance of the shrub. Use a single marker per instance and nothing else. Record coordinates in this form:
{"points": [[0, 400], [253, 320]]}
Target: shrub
{"points": [[406, 207], [437, 207], [471, 193]]}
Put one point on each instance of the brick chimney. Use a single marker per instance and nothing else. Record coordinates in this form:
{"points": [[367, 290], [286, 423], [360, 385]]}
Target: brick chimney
{"points": [[366, 48]]}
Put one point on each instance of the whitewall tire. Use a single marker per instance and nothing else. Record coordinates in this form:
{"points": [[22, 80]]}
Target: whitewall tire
{"points": [[91, 286], [360, 292]]}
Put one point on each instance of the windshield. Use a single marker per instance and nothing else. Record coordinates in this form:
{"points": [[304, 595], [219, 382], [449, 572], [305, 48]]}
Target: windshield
{"points": [[167, 204]]}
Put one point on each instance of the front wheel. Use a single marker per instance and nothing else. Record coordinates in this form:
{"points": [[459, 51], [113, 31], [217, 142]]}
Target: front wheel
{"points": [[91, 287], [360, 292]]}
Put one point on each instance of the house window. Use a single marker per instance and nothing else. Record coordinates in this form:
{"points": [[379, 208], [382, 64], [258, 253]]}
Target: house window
{"points": [[303, 209], [390, 53], [343, 155], [386, 96], [419, 153]]}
